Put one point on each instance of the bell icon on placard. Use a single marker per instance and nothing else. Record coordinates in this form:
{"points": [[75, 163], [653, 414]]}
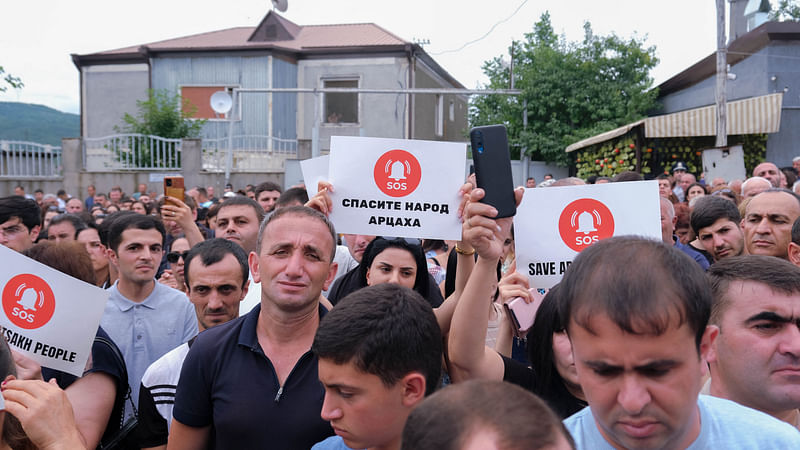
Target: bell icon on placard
{"points": [[586, 223], [398, 171], [29, 299]]}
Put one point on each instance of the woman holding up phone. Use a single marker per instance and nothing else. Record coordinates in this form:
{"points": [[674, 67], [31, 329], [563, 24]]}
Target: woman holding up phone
{"points": [[470, 358]]}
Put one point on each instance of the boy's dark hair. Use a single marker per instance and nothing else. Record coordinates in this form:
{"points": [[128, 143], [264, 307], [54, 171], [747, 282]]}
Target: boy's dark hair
{"points": [[450, 418], [26, 209], [243, 200], [291, 196], [708, 209], [76, 222], [385, 330], [267, 186], [641, 285], [132, 220], [213, 251], [104, 228], [776, 273]]}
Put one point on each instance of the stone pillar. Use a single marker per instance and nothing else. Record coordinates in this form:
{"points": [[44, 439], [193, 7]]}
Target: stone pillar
{"points": [[191, 162], [72, 164]]}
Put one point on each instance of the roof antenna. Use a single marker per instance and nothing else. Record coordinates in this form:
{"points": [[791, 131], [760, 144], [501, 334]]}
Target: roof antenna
{"points": [[280, 5]]}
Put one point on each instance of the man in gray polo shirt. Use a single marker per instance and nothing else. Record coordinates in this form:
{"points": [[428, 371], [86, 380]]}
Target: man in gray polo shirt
{"points": [[144, 318]]}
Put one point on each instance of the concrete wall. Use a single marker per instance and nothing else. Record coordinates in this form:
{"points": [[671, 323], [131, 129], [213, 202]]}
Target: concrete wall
{"points": [[108, 92], [380, 115], [425, 109]]}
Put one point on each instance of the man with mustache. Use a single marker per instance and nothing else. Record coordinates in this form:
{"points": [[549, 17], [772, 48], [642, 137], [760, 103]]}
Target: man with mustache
{"points": [[252, 382], [238, 219], [144, 318], [216, 275], [755, 359], [768, 220]]}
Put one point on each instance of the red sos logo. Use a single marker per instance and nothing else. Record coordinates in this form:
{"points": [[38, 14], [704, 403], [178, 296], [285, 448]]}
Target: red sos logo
{"points": [[584, 222], [28, 301], [397, 173]]}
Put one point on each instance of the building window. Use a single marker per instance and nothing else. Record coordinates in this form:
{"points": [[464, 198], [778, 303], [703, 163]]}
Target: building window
{"points": [[439, 115], [340, 107], [452, 113], [199, 101]]}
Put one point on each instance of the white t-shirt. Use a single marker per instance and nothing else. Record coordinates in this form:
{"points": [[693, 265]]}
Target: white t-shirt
{"points": [[252, 298]]}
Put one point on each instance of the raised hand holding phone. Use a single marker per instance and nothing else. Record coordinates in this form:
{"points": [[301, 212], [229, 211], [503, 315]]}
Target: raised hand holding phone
{"points": [[493, 168]]}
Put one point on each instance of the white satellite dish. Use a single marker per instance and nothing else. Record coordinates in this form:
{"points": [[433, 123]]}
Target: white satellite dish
{"points": [[221, 102], [280, 5]]}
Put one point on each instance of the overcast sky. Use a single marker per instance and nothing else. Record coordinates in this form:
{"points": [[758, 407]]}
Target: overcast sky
{"points": [[38, 37]]}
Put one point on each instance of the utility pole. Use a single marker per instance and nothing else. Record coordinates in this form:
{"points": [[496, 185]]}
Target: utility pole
{"points": [[722, 76]]}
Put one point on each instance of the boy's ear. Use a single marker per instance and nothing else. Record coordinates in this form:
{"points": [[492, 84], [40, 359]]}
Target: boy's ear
{"points": [[414, 386]]}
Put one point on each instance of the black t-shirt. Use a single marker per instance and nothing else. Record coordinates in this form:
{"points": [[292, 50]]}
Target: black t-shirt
{"points": [[103, 360], [563, 403], [229, 383]]}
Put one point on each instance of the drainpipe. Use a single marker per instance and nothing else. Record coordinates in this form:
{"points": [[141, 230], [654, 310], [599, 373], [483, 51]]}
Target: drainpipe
{"points": [[412, 65]]}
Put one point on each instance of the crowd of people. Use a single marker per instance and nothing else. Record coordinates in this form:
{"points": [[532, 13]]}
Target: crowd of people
{"points": [[246, 321]]}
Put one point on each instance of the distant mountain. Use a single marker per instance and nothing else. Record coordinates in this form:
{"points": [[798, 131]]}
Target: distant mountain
{"points": [[36, 123]]}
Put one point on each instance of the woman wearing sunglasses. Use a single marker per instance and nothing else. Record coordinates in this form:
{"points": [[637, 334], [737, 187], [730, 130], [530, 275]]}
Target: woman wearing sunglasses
{"points": [[173, 277]]}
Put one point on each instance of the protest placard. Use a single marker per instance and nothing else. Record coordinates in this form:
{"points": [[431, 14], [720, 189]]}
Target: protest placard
{"points": [[48, 316], [554, 224], [396, 187], [314, 170]]}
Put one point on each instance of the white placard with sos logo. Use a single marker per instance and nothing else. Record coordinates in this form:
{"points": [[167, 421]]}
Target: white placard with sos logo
{"points": [[46, 315], [396, 187], [554, 224]]}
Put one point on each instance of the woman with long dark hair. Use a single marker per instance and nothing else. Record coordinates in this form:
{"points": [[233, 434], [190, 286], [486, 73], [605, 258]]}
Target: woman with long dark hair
{"points": [[389, 260], [551, 374]]}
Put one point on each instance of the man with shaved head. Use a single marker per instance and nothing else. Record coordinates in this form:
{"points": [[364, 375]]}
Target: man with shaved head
{"points": [[769, 171], [768, 220], [754, 186]]}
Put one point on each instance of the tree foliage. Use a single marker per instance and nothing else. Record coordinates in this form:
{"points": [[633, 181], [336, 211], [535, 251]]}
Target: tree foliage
{"points": [[165, 115], [573, 90], [7, 80], [785, 10]]}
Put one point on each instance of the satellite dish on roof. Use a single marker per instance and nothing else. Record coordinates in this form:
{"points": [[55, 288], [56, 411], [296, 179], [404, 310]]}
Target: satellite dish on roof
{"points": [[280, 5], [221, 102]]}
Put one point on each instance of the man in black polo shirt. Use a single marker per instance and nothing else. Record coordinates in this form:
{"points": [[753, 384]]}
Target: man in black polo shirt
{"points": [[252, 382]]}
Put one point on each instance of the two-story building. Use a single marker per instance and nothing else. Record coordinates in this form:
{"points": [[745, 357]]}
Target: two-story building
{"points": [[279, 54]]}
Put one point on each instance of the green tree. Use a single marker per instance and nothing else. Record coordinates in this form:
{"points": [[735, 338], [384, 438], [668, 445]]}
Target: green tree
{"points": [[573, 89], [165, 115], [785, 10], [7, 80]]}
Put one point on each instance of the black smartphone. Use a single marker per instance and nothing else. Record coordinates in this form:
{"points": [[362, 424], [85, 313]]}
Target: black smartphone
{"points": [[493, 167]]}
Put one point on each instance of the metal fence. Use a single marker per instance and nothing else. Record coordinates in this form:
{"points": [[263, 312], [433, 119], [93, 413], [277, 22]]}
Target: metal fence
{"points": [[29, 159], [251, 153], [131, 152]]}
